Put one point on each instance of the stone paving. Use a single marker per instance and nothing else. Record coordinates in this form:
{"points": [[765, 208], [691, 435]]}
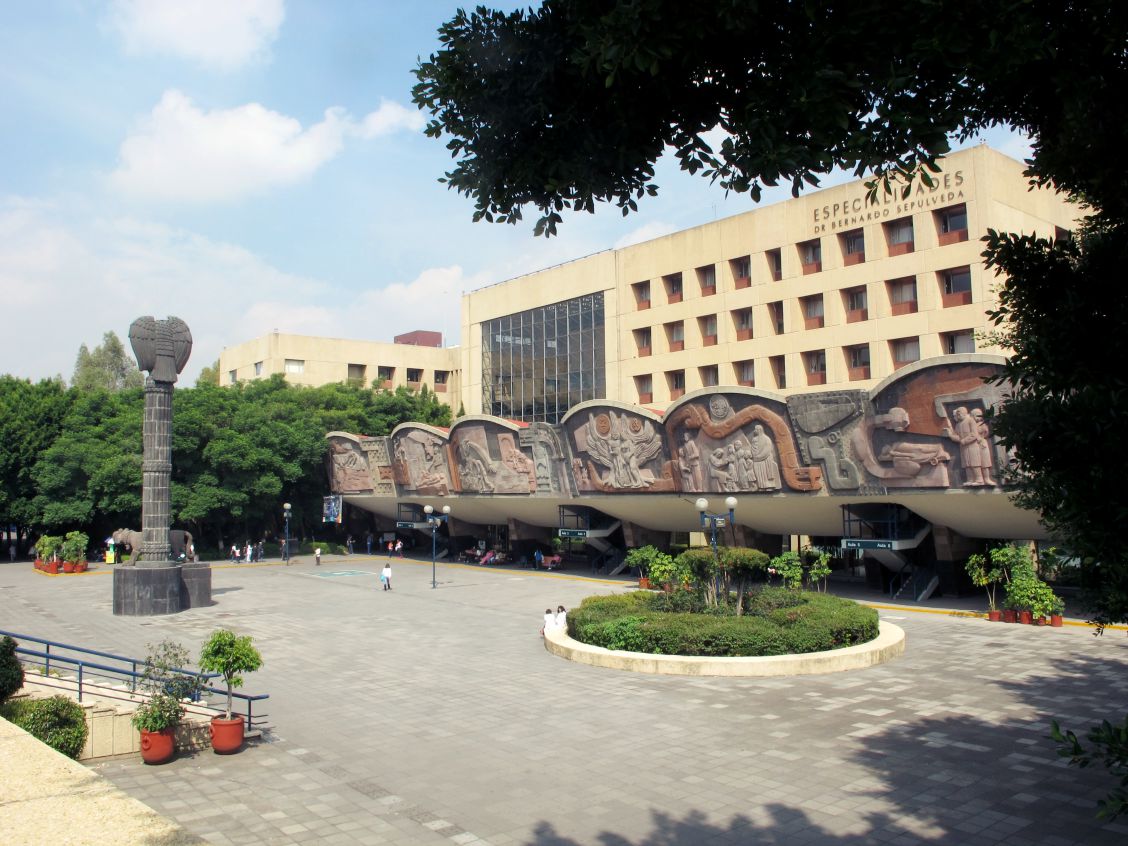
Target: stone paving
{"points": [[422, 716]]}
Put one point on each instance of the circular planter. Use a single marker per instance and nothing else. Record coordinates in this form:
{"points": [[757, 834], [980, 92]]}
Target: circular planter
{"points": [[1009, 615], [158, 747], [226, 735], [1025, 617], [1056, 621], [994, 616]]}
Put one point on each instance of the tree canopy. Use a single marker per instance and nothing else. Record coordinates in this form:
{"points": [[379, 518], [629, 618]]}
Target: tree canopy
{"points": [[108, 367], [571, 104]]}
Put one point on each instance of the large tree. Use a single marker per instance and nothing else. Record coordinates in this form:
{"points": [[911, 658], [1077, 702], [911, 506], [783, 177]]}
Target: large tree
{"points": [[109, 367]]}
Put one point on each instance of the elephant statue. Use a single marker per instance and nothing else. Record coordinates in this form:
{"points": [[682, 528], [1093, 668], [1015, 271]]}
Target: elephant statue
{"points": [[179, 540]]}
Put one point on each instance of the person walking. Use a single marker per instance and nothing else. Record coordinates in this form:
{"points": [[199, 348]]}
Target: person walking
{"points": [[317, 556], [386, 576], [391, 546], [399, 548], [368, 542], [349, 544]]}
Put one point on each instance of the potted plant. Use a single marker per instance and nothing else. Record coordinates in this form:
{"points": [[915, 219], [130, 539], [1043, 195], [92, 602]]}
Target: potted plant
{"points": [[1056, 611], [74, 552], [664, 570], [986, 576], [157, 720], [641, 559], [1020, 598], [228, 654], [47, 548]]}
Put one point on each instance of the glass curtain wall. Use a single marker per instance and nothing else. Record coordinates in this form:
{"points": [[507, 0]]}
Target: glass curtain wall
{"points": [[537, 364]]}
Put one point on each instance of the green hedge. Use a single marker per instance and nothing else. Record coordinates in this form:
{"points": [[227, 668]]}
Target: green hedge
{"points": [[59, 722], [777, 622]]}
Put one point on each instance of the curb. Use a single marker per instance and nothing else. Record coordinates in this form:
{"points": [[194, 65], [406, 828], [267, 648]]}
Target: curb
{"points": [[889, 643]]}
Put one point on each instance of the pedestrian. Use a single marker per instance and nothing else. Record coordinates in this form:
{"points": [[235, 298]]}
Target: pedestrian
{"points": [[12, 551], [386, 576], [399, 548], [368, 542], [561, 618], [538, 559], [549, 621], [349, 544], [235, 553], [391, 546], [247, 550], [317, 556]]}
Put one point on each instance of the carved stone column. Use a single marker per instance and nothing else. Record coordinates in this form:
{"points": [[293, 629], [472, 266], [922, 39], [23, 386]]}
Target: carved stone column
{"points": [[156, 471]]}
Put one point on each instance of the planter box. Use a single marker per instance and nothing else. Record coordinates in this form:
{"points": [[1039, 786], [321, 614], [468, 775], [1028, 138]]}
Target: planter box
{"points": [[958, 299], [643, 352], [743, 334], [857, 374], [708, 290], [857, 315], [709, 340], [909, 307], [954, 237], [813, 267], [814, 322], [901, 249], [677, 346], [674, 298], [646, 397], [816, 378], [643, 305], [743, 282], [853, 258]]}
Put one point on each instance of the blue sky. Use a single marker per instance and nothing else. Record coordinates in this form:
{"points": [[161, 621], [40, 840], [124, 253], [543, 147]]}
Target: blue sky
{"points": [[250, 165]]}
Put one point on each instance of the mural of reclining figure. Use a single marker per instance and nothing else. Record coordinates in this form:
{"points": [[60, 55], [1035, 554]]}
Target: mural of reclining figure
{"points": [[914, 465]]}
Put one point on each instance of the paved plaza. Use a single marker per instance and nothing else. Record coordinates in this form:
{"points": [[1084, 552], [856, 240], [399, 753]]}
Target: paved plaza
{"points": [[423, 716]]}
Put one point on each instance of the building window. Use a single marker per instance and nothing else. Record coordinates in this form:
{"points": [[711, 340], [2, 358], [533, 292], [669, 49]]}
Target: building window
{"points": [[899, 236], [675, 336], [810, 256], [956, 284], [957, 343], [775, 311], [258, 368], [295, 365], [641, 294], [414, 375], [775, 264], [856, 303], [951, 224], [642, 341], [814, 362], [673, 284], [537, 364], [779, 371], [813, 312], [645, 386], [905, 351], [441, 377], [853, 247], [675, 379], [742, 322], [385, 375], [231, 377], [745, 373], [902, 295], [741, 271], [709, 376], [356, 374], [708, 326], [858, 362], [707, 279]]}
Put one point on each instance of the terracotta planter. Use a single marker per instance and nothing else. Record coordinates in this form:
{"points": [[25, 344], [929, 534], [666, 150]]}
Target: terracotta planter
{"points": [[80, 566], [994, 616], [226, 735], [1040, 621], [158, 747], [1056, 621], [644, 583], [1025, 617], [1009, 615], [68, 566], [51, 567]]}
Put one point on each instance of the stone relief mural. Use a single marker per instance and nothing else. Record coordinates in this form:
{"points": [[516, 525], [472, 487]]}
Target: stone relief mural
{"points": [[925, 430]]}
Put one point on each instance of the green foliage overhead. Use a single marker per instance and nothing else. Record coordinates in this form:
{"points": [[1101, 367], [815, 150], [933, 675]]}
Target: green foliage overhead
{"points": [[1110, 750], [572, 103], [11, 670], [58, 721]]}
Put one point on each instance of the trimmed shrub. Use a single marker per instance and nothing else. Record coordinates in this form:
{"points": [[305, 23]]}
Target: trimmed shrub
{"points": [[59, 722], [11, 670], [778, 622]]}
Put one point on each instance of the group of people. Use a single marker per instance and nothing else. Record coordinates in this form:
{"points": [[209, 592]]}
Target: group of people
{"points": [[396, 547], [249, 553], [555, 621]]}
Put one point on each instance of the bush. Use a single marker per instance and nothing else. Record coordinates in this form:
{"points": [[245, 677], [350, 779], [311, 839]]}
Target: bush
{"points": [[11, 670], [161, 711], [778, 622], [59, 722]]}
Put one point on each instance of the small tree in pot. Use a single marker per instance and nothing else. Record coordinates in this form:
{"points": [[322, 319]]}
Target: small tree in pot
{"points": [[229, 655], [157, 720]]}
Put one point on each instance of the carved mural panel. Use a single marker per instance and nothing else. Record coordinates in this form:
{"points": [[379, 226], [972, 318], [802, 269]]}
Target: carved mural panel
{"points": [[489, 460], [348, 466], [616, 450], [420, 462]]}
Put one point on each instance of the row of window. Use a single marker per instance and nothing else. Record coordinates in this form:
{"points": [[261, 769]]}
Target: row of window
{"points": [[902, 351], [900, 238], [954, 286], [357, 373]]}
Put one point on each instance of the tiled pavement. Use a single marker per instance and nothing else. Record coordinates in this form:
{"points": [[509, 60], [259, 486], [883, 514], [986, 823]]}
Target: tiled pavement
{"points": [[427, 716]]}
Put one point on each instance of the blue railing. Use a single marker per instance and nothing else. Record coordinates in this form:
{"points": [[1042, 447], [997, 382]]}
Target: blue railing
{"points": [[128, 671]]}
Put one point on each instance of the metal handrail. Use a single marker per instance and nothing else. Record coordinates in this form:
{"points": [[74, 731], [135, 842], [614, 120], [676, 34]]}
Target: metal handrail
{"points": [[132, 675]]}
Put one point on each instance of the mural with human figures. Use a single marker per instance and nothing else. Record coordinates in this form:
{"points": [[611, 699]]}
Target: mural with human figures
{"points": [[925, 429]]}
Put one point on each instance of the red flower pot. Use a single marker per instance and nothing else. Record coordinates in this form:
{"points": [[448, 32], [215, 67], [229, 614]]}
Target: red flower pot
{"points": [[644, 583], [158, 747], [1025, 617], [1039, 621], [80, 566], [994, 616], [226, 735], [1009, 615], [51, 567], [68, 566], [1056, 621]]}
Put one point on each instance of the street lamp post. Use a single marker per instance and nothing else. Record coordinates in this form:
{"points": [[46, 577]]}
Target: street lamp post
{"points": [[713, 520], [434, 521], [286, 510]]}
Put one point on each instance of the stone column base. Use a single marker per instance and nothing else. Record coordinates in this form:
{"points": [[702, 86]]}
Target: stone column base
{"points": [[151, 589]]}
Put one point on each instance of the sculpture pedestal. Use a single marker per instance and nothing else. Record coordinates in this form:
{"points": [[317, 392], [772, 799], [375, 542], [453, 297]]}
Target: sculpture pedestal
{"points": [[150, 589]]}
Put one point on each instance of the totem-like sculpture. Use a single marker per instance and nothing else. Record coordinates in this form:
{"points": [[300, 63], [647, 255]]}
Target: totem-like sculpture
{"points": [[162, 347]]}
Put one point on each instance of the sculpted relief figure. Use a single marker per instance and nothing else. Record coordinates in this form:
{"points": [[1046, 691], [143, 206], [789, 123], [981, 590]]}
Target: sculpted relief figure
{"points": [[348, 468], [622, 446], [722, 473], [473, 464], [765, 465], [689, 463], [914, 465], [971, 432]]}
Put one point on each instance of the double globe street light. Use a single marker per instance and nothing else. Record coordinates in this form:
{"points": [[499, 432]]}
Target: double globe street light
{"points": [[434, 521], [715, 521]]}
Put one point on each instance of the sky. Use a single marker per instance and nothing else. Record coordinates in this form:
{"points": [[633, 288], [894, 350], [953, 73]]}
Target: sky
{"points": [[252, 166]]}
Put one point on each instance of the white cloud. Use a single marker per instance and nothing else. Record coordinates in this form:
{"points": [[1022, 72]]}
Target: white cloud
{"points": [[182, 153], [646, 232], [218, 34]]}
